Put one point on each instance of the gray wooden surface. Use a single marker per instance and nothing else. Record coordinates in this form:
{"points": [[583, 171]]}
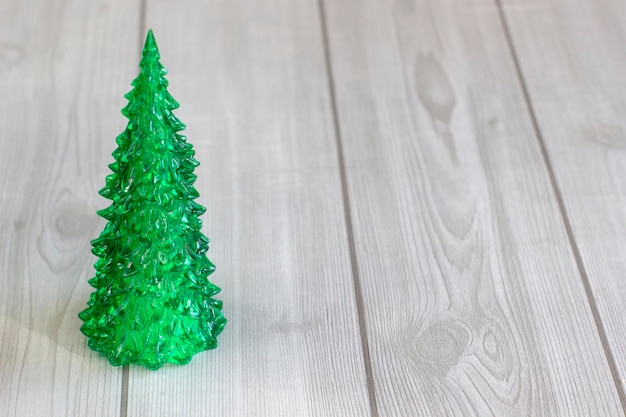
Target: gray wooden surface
{"points": [[417, 207]]}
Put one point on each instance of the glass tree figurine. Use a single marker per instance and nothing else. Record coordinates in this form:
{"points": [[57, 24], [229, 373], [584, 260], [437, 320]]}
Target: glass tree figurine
{"points": [[152, 303]]}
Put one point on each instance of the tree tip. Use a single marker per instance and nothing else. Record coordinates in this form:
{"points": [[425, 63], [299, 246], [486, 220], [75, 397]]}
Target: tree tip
{"points": [[150, 45]]}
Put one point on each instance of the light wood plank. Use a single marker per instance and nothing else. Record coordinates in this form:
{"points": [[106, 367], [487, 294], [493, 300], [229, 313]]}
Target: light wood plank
{"points": [[251, 83], [574, 63], [61, 69], [474, 304]]}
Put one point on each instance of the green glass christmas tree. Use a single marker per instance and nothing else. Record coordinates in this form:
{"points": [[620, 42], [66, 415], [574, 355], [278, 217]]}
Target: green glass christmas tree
{"points": [[153, 303]]}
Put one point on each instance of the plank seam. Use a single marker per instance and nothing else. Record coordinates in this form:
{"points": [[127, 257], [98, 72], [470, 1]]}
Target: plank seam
{"points": [[358, 292], [561, 204], [124, 397], [142, 25]]}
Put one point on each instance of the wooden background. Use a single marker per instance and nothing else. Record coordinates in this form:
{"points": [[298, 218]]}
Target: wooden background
{"points": [[417, 207]]}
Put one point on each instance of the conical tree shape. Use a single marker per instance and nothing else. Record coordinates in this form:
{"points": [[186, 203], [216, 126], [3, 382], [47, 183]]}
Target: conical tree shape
{"points": [[153, 302]]}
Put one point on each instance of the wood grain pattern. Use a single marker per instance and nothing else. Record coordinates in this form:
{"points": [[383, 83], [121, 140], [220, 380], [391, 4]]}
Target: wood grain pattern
{"points": [[474, 304], [252, 87], [574, 63], [59, 64]]}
